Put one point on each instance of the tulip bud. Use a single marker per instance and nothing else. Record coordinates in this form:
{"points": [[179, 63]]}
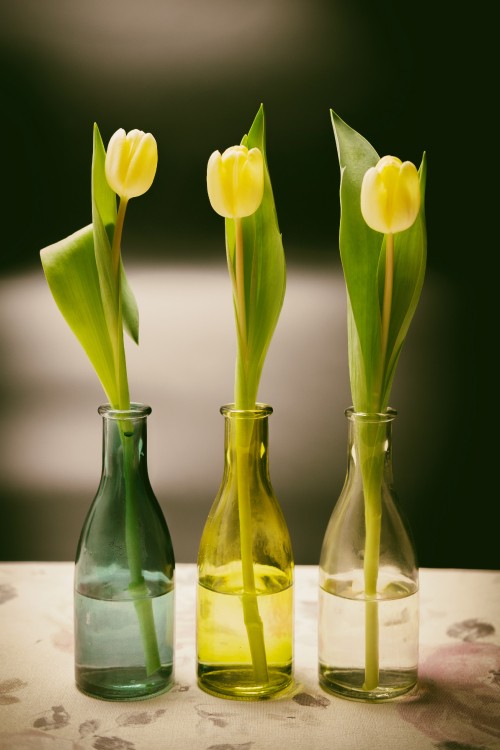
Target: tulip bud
{"points": [[390, 195], [235, 181], [131, 161]]}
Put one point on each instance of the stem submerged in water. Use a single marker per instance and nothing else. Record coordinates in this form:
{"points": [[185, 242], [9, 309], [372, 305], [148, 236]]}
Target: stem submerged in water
{"points": [[137, 586], [371, 455], [253, 621], [371, 566]]}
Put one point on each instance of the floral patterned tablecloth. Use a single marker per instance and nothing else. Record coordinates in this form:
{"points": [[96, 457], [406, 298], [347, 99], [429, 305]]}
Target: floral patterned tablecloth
{"points": [[455, 707]]}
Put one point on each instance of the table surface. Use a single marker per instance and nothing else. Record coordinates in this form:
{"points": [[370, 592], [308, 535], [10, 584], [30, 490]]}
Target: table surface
{"points": [[456, 705]]}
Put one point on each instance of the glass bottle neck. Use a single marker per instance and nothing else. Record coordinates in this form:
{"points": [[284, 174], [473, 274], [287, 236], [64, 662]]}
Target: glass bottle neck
{"points": [[246, 439], [124, 439], [370, 442]]}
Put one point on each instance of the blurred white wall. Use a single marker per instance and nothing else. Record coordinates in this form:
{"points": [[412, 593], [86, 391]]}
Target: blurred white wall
{"points": [[50, 450]]}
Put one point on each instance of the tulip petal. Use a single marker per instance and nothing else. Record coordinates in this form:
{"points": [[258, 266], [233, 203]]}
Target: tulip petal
{"points": [[143, 163], [214, 185], [372, 199], [113, 164], [407, 200], [235, 181]]}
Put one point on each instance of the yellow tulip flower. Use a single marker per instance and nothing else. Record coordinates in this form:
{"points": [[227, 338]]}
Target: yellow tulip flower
{"points": [[131, 161], [390, 195], [235, 181]]}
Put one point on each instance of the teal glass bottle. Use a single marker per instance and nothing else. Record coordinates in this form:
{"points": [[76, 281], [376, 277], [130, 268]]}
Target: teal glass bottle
{"points": [[124, 573]]}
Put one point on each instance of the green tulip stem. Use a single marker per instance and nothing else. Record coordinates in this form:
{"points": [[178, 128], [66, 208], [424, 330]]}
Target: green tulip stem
{"points": [[386, 309], [118, 346], [372, 484], [253, 621], [371, 454], [137, 586], [373, 513], [117, 236], [240, 284]]}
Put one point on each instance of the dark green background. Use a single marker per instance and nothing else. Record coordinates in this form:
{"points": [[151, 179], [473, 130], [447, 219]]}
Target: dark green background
{"points": [[194, 73]]}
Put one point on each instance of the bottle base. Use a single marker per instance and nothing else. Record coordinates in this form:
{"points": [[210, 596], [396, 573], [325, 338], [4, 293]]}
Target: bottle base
{"points": [[238, 683], [349, 683], [124, 684]]}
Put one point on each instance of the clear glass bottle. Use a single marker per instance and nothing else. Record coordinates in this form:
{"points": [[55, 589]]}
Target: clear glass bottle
{"points": [[368, 597], [245, 573], [124, 573]]}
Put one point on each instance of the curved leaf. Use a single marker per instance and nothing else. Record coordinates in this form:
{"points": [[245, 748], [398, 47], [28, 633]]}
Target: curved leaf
{"points": [[71, 273], [130, 311], [359, 252]]}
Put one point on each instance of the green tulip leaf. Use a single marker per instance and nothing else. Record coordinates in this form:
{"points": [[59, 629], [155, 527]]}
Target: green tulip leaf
{"points": [[102, 247], [362, 252], [130, 311], [104, 220], [71, 273], [103, 197], [264, 274]]}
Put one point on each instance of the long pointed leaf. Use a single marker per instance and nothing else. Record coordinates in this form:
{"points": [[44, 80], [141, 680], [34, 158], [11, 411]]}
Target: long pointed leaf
{"points": [[359, 251], [108, 281], [264, 268], [104, 220]]}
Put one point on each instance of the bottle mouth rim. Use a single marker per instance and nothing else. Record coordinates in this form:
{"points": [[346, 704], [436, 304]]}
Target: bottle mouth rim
{"points": [[259, 412], [371, 417], [136, 411]]}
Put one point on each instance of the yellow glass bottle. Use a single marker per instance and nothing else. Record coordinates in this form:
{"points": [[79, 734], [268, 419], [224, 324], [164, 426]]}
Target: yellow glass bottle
{"points": [[245, 573]]}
